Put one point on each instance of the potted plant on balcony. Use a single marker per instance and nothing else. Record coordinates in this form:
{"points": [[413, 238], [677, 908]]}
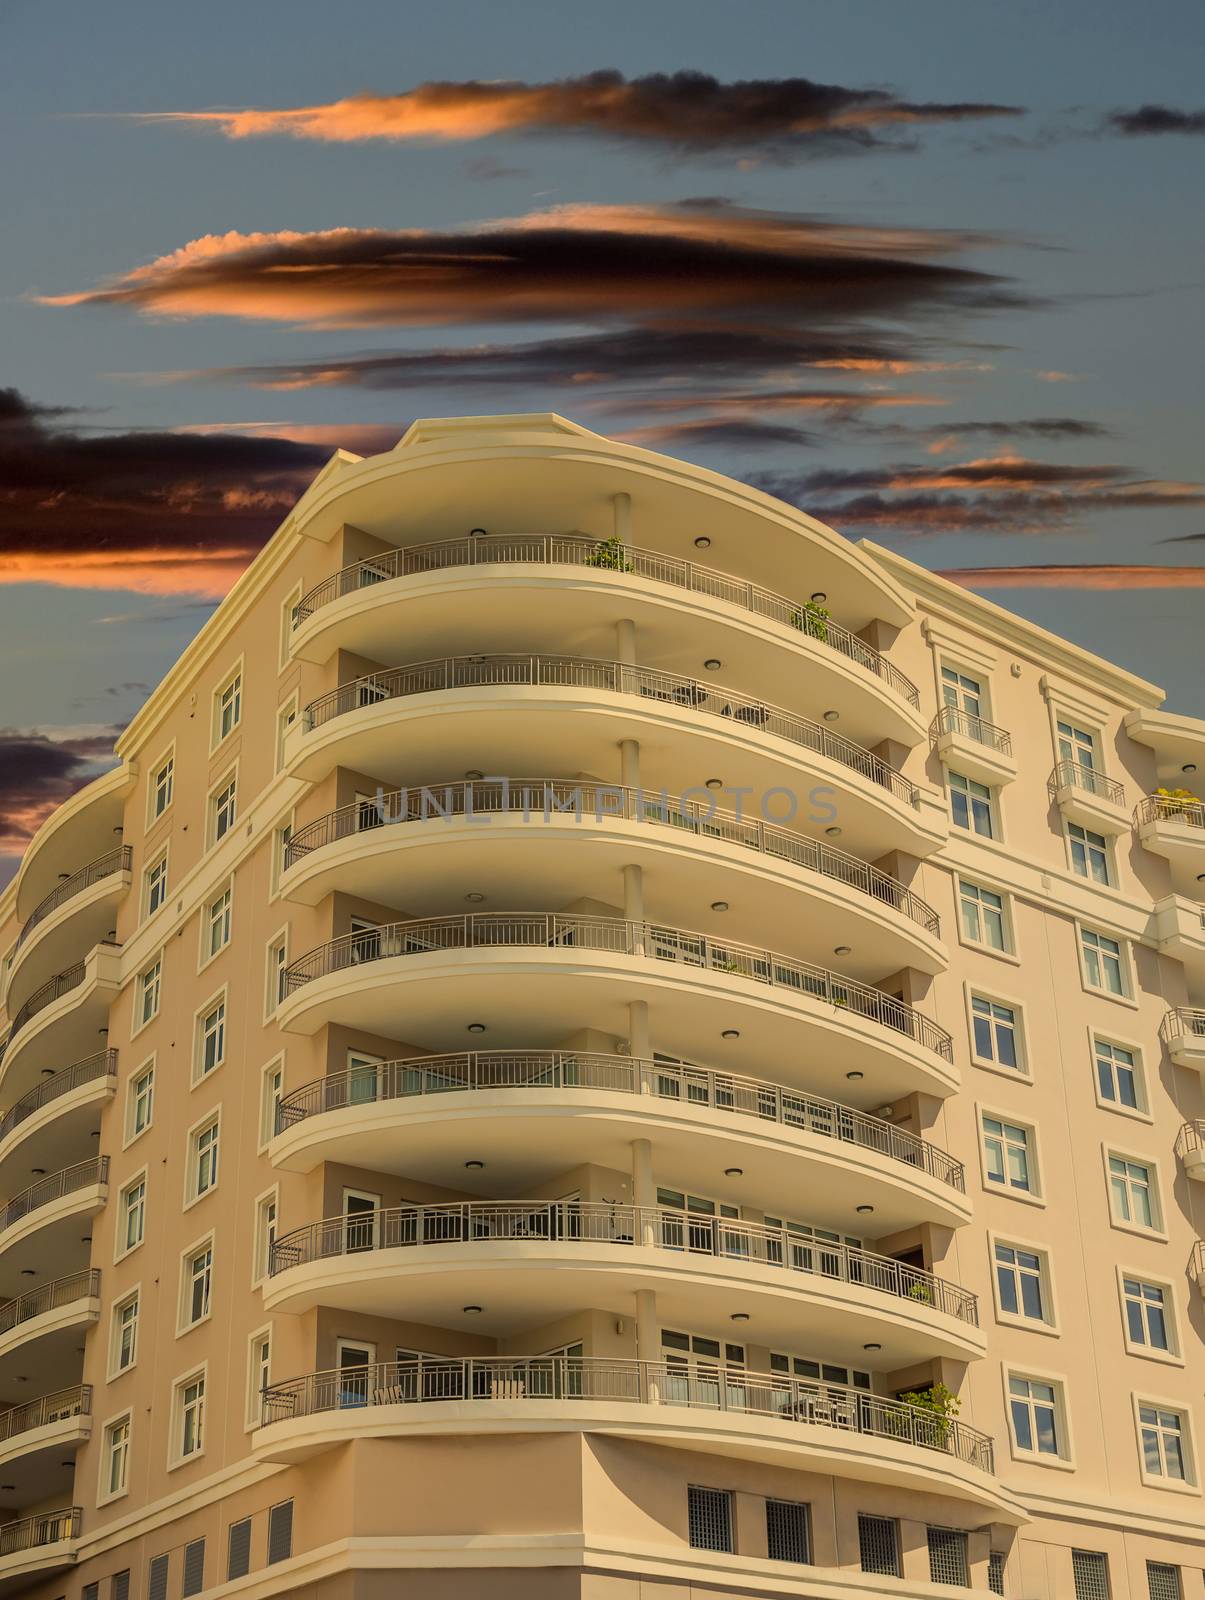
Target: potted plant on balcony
{"points": [[920, 1290], [609, 554], [940, 1406], [812, 619], [1176, 802]]}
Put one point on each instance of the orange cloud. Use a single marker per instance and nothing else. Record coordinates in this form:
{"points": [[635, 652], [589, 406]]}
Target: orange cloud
{"points": [[1102, 576], [206, 575]]}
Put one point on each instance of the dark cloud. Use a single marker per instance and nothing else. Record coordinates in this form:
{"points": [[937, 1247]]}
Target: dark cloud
{"points": [[1023, 428], [746, 432], [38, 773], [685, 112], [1153, 119]]}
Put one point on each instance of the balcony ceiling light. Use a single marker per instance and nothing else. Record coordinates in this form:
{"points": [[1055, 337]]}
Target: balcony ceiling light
{"points": [[734, 1172], [739, 1316], [473, 775], [833, 833], [719, 905], [841, 949], [38, 1172], [476, 1027], [475, 898], [1189, 766], [477, 533], [855, 1076], [474, 1166], [872, 1347], [832, 716], [28, 1272], [715, 783], [731, 1033], [865, 1211], [713, 663], [819, 597], [702, 542], [8, 1488], [471, 1311]]}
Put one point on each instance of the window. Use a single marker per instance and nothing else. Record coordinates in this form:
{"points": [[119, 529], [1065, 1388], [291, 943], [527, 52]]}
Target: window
{"points": [[280, 1532], [280, 844], [1076, 744], [197, 1286], [154, 886], [115, 1458], [265, 1234], [227, 708], [222, 809], [278, 960], [1132, 1192], [162, 787], [788, 1530], [1163, 1452], [91, 1591], [1162, 1581], [133, 1216], [149, 984], [827, 1372], [1006, 1151], [1033, 1406], [238, 1549], [709, 1518], [1090, 1574], [190, 1416], [1116, 1074], [290, 616], [994, 1032], [217, 924], [285, 718], [194, 1567], [270, 1093], [203, 1159], [119, 1585], [1102, 962], [879, 1545], [259, 1363], [982, 916], [995, 1571], [1089, 853], [971, 806], [948, 1556], [1019, 1281], [961, 692], [124, 1346], [157, 1574], [140, 1102], [1146, 1308], [211, 1038]]}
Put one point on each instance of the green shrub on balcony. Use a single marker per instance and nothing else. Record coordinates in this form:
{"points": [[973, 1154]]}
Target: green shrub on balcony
{"points": [[611, 555], [811, 619]]}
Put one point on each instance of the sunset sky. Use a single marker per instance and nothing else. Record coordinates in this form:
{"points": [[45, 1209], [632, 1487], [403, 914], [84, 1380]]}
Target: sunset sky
{"points": [[933, 271]]}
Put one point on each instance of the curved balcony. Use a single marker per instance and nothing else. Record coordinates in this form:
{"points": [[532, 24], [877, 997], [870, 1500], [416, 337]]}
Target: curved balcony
{"points": [[537, 1260], [1190, 1147], [43, 1543], [1172, 826], [40, 1226], [74, 916], [822, 1427], [61, 1020], [42, 1329], [511, 710], [541, 1111], [699, 988], [504, 586], [537, 827], [36, 1435], [60, 1115], [1183, 1033], [84, 827]]}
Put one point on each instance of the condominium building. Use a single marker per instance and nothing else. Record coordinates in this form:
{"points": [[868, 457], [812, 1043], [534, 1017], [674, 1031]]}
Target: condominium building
{"points": [[604, 1041]]}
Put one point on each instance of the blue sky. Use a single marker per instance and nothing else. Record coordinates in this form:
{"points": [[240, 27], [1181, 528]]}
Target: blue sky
{"points": [[963, 282]]}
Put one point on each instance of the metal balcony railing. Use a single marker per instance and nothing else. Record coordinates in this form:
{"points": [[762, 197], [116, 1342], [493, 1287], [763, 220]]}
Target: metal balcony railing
{"points": [[1183, 1022], [617, 935], [426, 1379], [614, 677], [50, 1297], [81, 1176], [48, 1527], [605, 555], [62, 983], [547, 797], [1167, 808], [1196, 1264], [105, 866], [724, 1092], [102, 1065], [951, 720], [478, 1222], [1191, 1137], [60, 1407], [1074, 775]]}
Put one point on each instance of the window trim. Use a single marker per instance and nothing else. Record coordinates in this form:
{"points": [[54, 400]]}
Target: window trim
{"points": [[1111, 884], [1009, 1319], [1139, 1113], [1125, 957], [262, 1200], [207, 1241], [153, 771], [274, 1063], [161, 855], [205, 957], [1010, 952], [228, 777], [1065, 1460], [219, 996], [104, 1495], [252, 1416], [995, 815], [174, 1457], [138, 1024], [212, 1118], [121, 1251], [1034, 1196], [972, 991], [287, 607], [1159, 1229], [1190, 1483], [1173, 1356], [228, 678], [291, 703], [112, 1370], [129, 1136], [271, 1002], [286, 823]]}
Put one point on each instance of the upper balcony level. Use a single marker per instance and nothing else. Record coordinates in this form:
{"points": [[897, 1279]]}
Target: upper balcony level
{"points": [[535, 978], [1088, 796], [42, 1329], [37, 1546], [40, 1227], [34, 1437], [523, 841], [61, 1021], [540, 592], [58, 1119], [973, 746], [84, 828], [1172, 825], [76, 915], [1183, 1032], [532, 713]]}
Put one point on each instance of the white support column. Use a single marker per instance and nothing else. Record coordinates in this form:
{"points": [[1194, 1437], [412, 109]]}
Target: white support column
{"points": [[648, 1340], [625, 641], [629, 763], [639, 1042], [622, 512], [633, 904], [644, 1190]]}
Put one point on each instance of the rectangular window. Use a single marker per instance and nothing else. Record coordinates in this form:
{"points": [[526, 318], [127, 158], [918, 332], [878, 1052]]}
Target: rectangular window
{"points": [[948, 1556], [211, 1038], [157, 1575], [133, 1215], [1090, 1574], [154, 886], [285, 718], [1163, 1452], [709, 1518], [1007, 1154], [162, 787], [278, 960], [1034, 1409], [1162, 1581], [198, 1285], [149, 985], [141, 1103], [788, 1530], [271, 1090], [125, 1334], [1077, 745], [1116, 1074], [1102, 962], [265, 1235], [1132, 1192], [1146, 1308], [258, 1376], [238, 1549], [194, 1567], [116, 1457], [1089, 853], [982, 916], [280, 1532], [190, 1416], [994, 1031], [223, 809], [119, 1586], [1019, 1280], [995, 1571], [217, 924], [879, 1545], [972, 806], [228, 708], [962, 693], [203, 1162]]}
